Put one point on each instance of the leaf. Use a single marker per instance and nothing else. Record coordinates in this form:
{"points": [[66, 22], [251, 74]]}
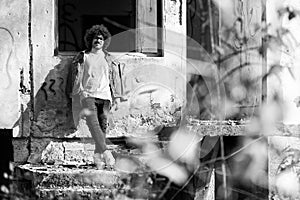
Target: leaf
{"points": [[184, 146], [4, 189], [168, 168]]}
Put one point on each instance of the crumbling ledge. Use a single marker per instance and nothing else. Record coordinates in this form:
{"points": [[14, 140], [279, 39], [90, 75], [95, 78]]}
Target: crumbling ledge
{"points": [[241, 128]]}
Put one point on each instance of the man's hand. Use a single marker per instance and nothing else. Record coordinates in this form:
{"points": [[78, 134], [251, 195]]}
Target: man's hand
{"points": [[117, 101]]}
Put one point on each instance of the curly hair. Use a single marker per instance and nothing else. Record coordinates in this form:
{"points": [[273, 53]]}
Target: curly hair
{"points": [[94, 31]]}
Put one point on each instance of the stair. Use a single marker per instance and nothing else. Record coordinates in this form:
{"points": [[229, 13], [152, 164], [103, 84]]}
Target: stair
{"points": [[74, 177], [47, 181], [71, 193]]}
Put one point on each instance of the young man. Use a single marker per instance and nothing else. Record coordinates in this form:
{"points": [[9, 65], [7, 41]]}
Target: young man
{"points": [[96, 78]]}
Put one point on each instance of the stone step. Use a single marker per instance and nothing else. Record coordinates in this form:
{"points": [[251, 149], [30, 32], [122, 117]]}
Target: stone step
{"points": [[64, 182], [74, 193], [85, 182], [83, 193], [71, 193], [76, 152], [63, 193], [66, 176], [68, 182]]}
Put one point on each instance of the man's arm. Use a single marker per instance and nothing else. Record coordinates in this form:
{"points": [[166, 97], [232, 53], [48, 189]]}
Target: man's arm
{"points": [[74, 76]]}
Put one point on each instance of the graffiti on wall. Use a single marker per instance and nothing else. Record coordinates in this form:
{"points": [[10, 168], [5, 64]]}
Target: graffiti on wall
{"points": [[55, 88], [53, 115]]}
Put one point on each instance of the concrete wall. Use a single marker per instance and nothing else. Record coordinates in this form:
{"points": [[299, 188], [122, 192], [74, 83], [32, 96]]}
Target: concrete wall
{"points": [[14, 59], [215, 30], [246, 67]]}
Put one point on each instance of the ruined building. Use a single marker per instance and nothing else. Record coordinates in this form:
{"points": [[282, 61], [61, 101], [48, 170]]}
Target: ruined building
{"points": [[180, 69]]}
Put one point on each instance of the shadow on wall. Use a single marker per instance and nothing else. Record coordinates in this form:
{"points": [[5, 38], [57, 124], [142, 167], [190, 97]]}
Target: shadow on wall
{"points": [[52, 110]]}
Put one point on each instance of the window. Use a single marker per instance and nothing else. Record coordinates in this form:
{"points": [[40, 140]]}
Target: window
{"points": [[119, 16]]}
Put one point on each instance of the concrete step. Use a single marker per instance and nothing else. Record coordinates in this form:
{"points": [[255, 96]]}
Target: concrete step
{"points": [[83, 193], [85, 182], [64, 193], [71, 182], [66, 176], [80, 152], [71, 193]]}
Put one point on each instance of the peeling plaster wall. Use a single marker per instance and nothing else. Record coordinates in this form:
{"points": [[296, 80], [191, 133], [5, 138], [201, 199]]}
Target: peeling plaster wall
{"points": [[50, 103], [174, 22]]}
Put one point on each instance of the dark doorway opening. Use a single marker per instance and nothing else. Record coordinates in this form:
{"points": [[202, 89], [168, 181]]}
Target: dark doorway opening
{"points": [[6, 154]]}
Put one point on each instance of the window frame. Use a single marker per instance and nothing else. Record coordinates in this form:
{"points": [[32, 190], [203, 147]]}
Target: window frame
{"points": [[160, 33]]}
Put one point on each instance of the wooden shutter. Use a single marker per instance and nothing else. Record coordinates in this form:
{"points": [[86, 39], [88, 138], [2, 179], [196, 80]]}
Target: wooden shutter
{"points": [[147, 33]]}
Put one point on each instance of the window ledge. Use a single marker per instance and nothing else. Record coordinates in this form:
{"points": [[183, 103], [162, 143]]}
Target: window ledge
{"points": [[116, 54]]}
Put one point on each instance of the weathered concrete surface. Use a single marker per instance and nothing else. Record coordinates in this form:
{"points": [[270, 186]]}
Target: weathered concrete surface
{"points": [[59, 176], [21, 151], [78, 152], [52, 115], [55, 151], [51, 150], [14, 59], [214, 128], [47, 182], [232, 128], [22, 190], [37, 146], [43, 15], [84, 193]]}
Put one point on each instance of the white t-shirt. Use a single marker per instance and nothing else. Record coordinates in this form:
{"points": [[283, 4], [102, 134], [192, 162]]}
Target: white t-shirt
{"points": [[95, 79]]}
